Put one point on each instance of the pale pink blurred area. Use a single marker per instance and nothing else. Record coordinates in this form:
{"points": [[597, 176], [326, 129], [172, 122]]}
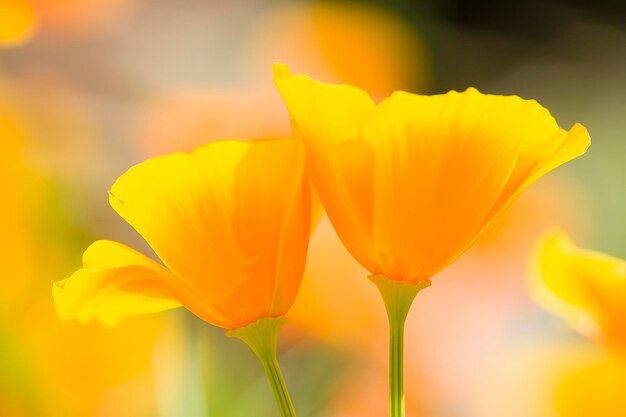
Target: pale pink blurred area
{"points": [[523, 381], [337, 302], [473, 309], [183, 120]]}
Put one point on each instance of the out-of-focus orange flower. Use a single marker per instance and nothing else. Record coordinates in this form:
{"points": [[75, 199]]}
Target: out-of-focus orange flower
{"points": [[361, 44], [17, 22], [231, 222], [410, 183], [587, 288]]}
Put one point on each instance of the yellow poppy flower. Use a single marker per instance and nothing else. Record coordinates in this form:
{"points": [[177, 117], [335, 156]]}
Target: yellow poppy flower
{"points": [[587, 288], [231, 223], [411, 182]]}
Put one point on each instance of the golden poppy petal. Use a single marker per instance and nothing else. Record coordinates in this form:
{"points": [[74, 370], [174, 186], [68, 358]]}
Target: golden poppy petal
{"points": [[115, 283], [214, 217], [585, 287], [327, 119]]}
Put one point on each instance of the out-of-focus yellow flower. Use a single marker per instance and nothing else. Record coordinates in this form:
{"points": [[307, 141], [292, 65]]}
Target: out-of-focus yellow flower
{"points": [[16, 247], [410, 183], [587, 288], [594, 388], [17, 22], [231, 223], [564, 379], [44, 370], [60, 357]]}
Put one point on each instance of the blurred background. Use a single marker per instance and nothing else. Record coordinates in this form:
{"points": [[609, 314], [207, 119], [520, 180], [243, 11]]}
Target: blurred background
{"points": [[89, 88]]}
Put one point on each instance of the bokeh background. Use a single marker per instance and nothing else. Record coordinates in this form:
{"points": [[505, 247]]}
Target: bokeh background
{"points": [[89, 88]]}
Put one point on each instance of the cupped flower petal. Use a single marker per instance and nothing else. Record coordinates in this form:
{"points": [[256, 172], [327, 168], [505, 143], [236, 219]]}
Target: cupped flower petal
{"points": [[446, 165], [411, 183], [115, 282], [230, 221], [339, 164], [585, 287]]}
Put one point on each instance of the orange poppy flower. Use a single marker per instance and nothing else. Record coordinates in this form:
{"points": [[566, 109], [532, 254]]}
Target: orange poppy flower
{"points": [[231, 223], [587, 288], [411, 182]]}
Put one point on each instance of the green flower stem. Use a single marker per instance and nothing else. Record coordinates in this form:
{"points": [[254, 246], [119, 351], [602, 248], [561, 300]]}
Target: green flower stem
{"points": [[262, 337], [398, 297]]}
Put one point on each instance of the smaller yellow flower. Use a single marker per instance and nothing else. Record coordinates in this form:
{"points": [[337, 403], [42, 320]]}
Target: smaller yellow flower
{"points": [[231, 224], [411, 182], [587, 288]]}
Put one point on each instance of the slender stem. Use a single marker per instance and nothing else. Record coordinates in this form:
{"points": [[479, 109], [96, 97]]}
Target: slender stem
{"points": [[398, 298], [396, 368], [278, 386], [262, 337]]}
